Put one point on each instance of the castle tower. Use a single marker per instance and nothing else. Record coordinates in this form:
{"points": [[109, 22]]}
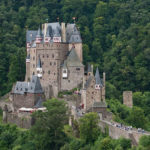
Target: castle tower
{"points": [[47, 37], [74, 39], [38, 36], [98, 85], [90, 70], [127, 98], [27, 68], [63, 32]]}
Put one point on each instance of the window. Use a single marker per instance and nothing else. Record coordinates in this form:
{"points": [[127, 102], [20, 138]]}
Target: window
{"points": [[49, 72], [52, 55], [43, 55], [42, 63], [33, 58], [69, 81], [77, 69], [54, 63], [33, 65], [50, 63], [33, 73], [43, 71], [47, 55]]}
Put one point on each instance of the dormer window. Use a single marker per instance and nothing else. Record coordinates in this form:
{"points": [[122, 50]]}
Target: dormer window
{"points": [[64, 73]]}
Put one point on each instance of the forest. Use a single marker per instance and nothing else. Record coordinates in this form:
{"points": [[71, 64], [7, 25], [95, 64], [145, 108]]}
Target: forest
{"points": [[115, 37], [52, 132]]}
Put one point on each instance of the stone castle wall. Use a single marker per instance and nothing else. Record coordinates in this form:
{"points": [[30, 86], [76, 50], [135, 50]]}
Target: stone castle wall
{"points": [[23, 120], [116, 132], [27, 100], [75, 77], [127, 98]]}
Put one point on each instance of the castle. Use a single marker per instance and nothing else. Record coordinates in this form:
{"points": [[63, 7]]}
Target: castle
{"points": [[54, 64], [54, 54]]}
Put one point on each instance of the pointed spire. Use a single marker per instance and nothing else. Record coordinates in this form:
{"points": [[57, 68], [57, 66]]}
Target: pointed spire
{"points": [[39, 34], [97, 77], [39, 65]]}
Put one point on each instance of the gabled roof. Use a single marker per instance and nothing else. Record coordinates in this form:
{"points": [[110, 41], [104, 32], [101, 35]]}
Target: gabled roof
{"points": [[30, 36], [72, 34], [97, 78], [55, 29], [73, 59], [29, 87]]}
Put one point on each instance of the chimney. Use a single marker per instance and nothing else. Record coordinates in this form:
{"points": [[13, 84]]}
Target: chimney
{"points": [[63, 32]]}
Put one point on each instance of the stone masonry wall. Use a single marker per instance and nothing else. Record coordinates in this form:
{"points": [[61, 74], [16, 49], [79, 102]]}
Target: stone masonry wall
{"points": [[74, 79], [92, 94], [23, 120], [127, 98], [27, 100]]}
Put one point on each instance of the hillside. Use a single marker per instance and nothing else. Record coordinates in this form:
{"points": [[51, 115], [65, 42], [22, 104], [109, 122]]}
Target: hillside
{"points": [[115, 35]]}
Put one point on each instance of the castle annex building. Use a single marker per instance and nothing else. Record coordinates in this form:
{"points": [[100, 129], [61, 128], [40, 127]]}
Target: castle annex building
{"points": [[54, 54]]}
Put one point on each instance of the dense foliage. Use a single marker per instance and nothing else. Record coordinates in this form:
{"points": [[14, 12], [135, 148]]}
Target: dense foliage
{"points": [[51, 132], [115, 35], [138, 116]]}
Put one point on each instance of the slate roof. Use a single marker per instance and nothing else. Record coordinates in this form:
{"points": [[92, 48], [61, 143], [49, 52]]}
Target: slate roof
{"points": [[87, 84], [34, 86], [39, 33], [97, 78], [100, 104], [39, 103], [72, 34], [89, 68], [73, 59], [30, 36], [54, 29]]}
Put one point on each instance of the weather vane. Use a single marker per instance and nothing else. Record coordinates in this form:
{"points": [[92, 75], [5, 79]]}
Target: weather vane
{"points": [[74, 18]]}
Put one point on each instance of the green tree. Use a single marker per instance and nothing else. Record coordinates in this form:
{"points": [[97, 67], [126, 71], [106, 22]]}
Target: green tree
{"points": [[47, 133], [88, 126]]}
